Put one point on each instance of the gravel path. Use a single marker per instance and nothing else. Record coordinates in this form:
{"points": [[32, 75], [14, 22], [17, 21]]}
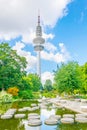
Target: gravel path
{"points": [[73, 105]]}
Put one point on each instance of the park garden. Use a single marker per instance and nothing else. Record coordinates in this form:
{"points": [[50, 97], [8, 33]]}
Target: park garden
{"points": [[21, 91], [70, 79]]}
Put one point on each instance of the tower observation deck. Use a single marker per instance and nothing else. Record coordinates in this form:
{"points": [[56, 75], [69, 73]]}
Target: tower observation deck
{"points": [[38, 46]]}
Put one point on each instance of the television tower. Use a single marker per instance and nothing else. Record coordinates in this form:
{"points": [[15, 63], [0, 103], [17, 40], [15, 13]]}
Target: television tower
{"points": [[38, 45]]}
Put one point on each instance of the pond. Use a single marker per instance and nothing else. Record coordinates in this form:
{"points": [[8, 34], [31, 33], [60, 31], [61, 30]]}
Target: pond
{"points": [[44, 112]]}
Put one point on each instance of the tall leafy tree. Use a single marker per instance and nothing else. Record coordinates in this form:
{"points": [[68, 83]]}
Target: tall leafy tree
{"points": [[12, 67], [68, 77], [33, 82], [48, 85], [84, 77]]}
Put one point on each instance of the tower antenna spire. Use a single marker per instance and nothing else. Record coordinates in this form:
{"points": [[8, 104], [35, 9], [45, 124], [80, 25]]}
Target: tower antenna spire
{"points": [[38, 17]]}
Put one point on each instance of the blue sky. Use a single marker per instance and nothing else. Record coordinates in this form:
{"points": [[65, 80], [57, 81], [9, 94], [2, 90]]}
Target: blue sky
{"points": [[64, 25]]}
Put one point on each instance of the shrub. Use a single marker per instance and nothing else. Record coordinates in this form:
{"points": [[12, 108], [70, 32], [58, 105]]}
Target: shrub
{"points": [[5, 97], [13, 90], [26, 94]]}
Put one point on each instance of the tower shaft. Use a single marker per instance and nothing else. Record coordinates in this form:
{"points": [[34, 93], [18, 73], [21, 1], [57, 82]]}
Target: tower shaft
{"points": [[39, 64]]}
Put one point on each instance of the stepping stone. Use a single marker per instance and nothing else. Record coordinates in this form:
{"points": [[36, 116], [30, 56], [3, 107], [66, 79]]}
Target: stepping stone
{"points": [[51, 121], [33, 105], [62, 101], [33, 114], [6, 116], [34, 108], [83, 101], [60, 107], [67, 120], [78, 100], [80, 115], [57, 117], [68, 116], [21, 110], [10, 112], [34, 122], [81, 119], [43, 106], [33, 117], [19, 115], [84, 108], [24, 109]]}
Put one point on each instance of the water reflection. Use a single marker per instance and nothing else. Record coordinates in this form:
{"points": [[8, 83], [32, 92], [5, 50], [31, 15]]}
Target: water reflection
{"points": [[32, 128], [19, 124], [27, 127], [44, 113]]}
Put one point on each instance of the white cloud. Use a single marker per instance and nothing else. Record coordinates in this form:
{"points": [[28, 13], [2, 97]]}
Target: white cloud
{"points": [[56, 56], [50, 47], [47, 75], [27, 37], [48, 36], [52, 55], [32, 60], [18, 17]]}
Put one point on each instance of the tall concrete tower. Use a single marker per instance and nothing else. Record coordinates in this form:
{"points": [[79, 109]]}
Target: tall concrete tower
{"points": [[38, 45]]}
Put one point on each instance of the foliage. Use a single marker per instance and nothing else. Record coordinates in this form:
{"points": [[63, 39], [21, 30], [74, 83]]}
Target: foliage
{"points": [[50, 94], [5, 97], [13, 91], [33, 82], [11, 67], [26, 94], [37, 95], [84, 78], [68, 78], [48, 85]]}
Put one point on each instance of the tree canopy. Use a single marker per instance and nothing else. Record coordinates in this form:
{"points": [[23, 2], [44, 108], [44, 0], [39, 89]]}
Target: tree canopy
{"points": [[48, 85], [68, 77], [84, 77], [12, 66]]}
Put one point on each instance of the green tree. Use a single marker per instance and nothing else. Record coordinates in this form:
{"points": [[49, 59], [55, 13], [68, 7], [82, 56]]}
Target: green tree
{"points": [[48, 85], [68, 78], [11, 67], [32, 82], [84, 78]]}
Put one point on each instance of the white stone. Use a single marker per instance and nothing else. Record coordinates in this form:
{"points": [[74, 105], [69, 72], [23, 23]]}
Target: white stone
{"points": [[10, 112], [62, 101], [33, 105], [84, 108], [35, 108], [21, 110], [6, 116], [81, 119], [43, 106], [34, 122], [33, 117], [83, 100], [81, 115], [67, 120], [78, 100], [33, 114], [68, 115], [57, 117], [60, 107], [19, 115], [51, 121]]}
